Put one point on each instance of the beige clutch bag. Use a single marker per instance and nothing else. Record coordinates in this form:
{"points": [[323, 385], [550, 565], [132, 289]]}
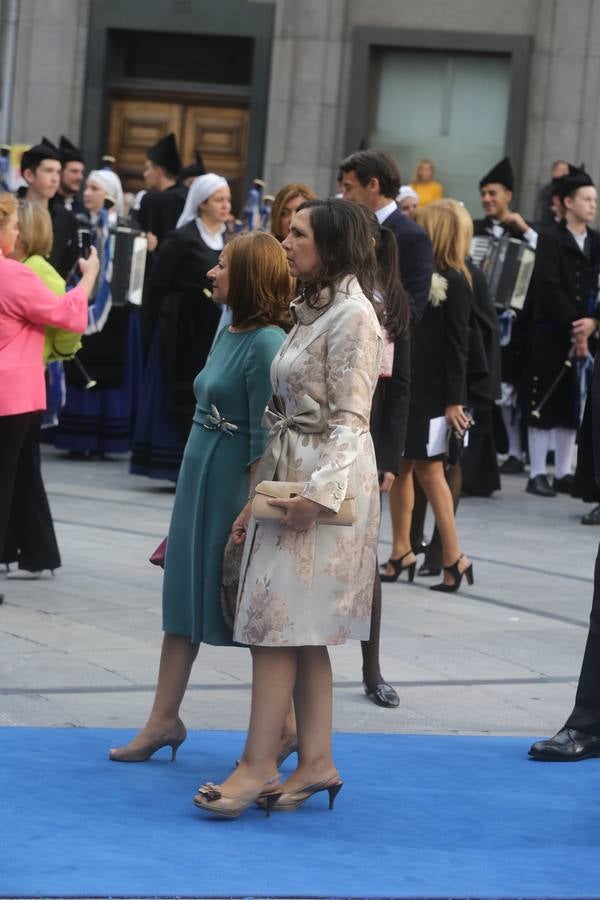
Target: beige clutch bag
{"points": [[283, 490]]}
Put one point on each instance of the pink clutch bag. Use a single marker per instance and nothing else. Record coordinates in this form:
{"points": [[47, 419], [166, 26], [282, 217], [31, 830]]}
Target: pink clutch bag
{"points": [[158, 557]]}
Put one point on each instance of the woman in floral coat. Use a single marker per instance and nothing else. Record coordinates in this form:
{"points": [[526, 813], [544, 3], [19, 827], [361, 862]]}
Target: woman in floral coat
{"points": [[305, 585]]}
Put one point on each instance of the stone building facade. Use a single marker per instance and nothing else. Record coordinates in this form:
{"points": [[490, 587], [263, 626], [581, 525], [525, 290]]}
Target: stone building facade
{"points": [[323, 75]]}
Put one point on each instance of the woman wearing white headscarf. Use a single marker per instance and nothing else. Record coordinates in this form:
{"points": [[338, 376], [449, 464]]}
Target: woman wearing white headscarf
{"points": [[179, 324], [100, 420]]}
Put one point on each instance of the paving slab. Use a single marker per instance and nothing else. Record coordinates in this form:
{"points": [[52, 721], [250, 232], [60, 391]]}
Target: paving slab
{"points": [[502, 657]]}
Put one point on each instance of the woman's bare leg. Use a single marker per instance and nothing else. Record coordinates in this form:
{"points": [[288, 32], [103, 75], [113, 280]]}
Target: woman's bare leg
{"points": [[176, 661], [433, 553], [273, 680], [313, 701], [433, 481], [402, 498]]}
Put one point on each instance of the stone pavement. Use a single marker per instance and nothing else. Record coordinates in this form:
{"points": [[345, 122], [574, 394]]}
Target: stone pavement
{"points": [[502, 657]]}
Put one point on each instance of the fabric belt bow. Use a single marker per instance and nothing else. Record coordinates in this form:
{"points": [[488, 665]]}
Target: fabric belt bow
{"points": [[308, 419]]}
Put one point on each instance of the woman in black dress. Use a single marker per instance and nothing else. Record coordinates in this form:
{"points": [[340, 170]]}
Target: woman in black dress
{"points": [[439, 356], [389, 418], [179, 321]]}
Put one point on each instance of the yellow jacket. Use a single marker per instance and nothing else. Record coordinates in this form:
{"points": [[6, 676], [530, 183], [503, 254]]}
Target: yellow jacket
{"points": [[427, 191], [58, 344]]}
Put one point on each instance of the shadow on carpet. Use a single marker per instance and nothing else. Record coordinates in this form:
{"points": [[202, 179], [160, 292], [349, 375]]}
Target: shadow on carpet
{"points": [[419, 816]]}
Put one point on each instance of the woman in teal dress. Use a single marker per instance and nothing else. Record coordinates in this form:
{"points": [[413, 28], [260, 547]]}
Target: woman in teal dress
{"points": [[225, 443]]}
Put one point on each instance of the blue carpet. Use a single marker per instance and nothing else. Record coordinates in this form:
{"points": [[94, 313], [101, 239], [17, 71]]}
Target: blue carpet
{"points": [[419, 816]]}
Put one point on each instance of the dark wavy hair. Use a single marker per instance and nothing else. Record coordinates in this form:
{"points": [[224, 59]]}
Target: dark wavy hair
{"points": [[343, 240], [394, 311]]}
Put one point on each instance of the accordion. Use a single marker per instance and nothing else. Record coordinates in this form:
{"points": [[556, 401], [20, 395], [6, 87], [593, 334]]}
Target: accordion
{"points": [[507, 265], [129, 264]]}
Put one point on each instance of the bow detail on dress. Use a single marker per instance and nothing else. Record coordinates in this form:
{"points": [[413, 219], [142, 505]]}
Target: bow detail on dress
{"points": [[308, 418], [217, 422]]}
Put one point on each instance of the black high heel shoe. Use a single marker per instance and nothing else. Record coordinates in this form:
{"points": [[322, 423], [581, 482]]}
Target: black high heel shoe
{"points": [[457, 575], [398, 568]]}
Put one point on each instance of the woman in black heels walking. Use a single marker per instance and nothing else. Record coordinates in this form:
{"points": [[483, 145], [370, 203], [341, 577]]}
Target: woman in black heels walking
{"points": [[438, 389]]}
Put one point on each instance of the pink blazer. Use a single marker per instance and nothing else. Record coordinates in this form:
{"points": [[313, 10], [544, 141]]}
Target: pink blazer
{"points": [[26, 307]]}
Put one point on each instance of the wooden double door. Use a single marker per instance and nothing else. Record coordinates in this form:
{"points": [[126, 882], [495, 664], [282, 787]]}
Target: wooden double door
{"points": [[219, 132]]}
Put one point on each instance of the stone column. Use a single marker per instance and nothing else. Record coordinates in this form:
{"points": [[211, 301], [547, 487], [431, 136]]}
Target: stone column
{"points": [[304, 133]]}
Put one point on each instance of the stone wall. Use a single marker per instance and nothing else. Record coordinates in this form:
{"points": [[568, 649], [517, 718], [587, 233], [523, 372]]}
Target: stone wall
{"points": [[50, 70], [308, 102]]}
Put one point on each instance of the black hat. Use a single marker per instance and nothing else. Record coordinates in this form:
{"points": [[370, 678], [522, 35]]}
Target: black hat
{"points": [[195, 169], [165, 154], [567, 184], [502, 173], [68, 151], [44, 150]]}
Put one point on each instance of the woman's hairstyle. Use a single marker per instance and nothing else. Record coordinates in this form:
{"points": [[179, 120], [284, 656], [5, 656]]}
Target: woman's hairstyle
{"points": [[418, 167], [344, 244], [282, 198], [449, 236], [35, 229], [394, 312], [260, 287], [8, 206]]}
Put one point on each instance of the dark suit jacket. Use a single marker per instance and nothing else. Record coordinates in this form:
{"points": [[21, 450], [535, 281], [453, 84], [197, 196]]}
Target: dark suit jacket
{"points": [[389, 411], [65, 251], [159, 210], [416, 259]]}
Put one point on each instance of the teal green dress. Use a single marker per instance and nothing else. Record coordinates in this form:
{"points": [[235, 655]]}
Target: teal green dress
{"points": [[213, 483]]}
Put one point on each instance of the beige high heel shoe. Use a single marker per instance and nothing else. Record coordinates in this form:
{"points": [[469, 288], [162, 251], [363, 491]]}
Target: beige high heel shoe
{"points": [[287, 802], [141, 754], [210, 799]]}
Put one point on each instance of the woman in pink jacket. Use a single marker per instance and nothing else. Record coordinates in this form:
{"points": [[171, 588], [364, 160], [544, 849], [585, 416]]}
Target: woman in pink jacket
{"points": [[27, 306]]}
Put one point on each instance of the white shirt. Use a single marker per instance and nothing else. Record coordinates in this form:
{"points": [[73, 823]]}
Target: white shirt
{"points": [[386, 211], [530, 236], [579, 238]]}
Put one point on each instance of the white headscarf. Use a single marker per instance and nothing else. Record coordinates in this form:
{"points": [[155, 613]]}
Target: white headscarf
{"points": [[406, 191], [202, 188], [111, 184]]}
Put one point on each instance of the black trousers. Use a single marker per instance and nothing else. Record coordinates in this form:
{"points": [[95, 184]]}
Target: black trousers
{"points": [[26, 528], [586, 714]]}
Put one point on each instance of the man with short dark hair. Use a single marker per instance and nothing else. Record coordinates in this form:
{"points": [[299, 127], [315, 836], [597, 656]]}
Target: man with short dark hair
{"points": [[71, 177], [41, 168], [164, 200], [371, 177]]}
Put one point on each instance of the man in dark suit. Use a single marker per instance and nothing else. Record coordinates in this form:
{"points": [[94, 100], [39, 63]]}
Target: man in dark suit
{"points": [[579, 738], [372, 178]]}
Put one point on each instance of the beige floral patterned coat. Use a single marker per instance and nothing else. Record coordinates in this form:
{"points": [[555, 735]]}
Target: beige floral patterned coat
{"points": [[315, 587]]}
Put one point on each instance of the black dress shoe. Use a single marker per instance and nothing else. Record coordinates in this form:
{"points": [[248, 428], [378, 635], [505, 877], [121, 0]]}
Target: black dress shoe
{"points": [[564, 485], [382, 694], [540, 486], [567, 745], [593, 517], [512, 466]]}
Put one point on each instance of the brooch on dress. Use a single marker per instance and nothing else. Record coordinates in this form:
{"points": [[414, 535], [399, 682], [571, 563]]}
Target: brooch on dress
{"points": [[217, 422]]}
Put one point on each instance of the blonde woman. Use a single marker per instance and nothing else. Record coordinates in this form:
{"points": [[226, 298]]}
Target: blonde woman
{"points": [[285, 204], [439, 388], [424, 184]]}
